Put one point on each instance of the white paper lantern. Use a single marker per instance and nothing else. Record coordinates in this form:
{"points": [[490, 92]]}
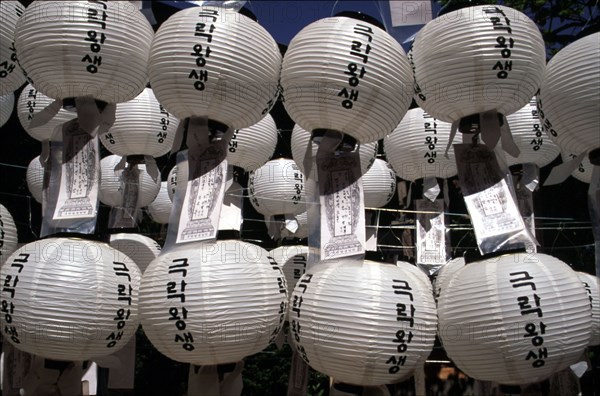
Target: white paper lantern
{"points": [[592, 287], [141, 249], [445, 273], [477, 59], [214, 62], [35, 179], [301, 139], [110, 183], [362, 323], [527, 134], [81, 48], [302, 231], [405, 266], [212, 303], [11, 75], [70, 299], [379, 184], [31, 102], [569, 98], [8, 234], [346, 75], [142, 126], [514, 319], [278, 187], [7, 103], [292, 260], [415, 149], [251, 147], [160, 209], [583, 173]]}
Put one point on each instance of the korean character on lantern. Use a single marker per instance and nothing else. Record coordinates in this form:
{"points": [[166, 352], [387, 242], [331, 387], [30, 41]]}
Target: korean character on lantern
{"points": [[232, 146], [114, 337], [200, 57], [179, 265], [431, 142], [542, 353], [178, 317], [493, 10], [364, 30], [522, 277], [122, 315], [350, 97], [102, 3], [532, 331], [92, 36], [536, 143], [12, 332], [93, 16], [94, 63], [209, 14], [360, 50], [172, 291], [8, 310], [10, 283], [397, 362], [7, 69], [431, 156], [201, 31], [355, 74], [201, 77], [296, 304], [526, 307], [403, 315], [503, 66], [401, 287], [187, 339], [503, 43], [124, 293]]}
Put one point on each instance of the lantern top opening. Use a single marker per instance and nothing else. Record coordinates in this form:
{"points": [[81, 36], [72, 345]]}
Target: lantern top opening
{"points": [[348, 143], [594, 156], [361, 16], [69, 104], [472, 123]]}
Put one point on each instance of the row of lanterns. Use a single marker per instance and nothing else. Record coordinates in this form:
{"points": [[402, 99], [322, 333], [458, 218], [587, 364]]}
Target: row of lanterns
{"points": [[361, 322]]}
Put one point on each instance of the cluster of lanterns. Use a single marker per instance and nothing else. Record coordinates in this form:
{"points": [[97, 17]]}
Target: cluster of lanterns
{"points": [[359, 321]]}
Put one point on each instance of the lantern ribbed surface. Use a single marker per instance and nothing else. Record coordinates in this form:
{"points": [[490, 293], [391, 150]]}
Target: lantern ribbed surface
{"points": [[78, 48], [226, 300], [379, 184], [583, 172], [160, 209], [250, 148], [110, 183], [172, 182], [11, 75], [591, 284], [415, 149], [8, 234], [405, 266], [514, 319], [526, 130], [35, 179], [31, 101], [292, 259], [141, 249], [362, 323], [74, 299], [201, 66], [445, 273], [471, 61], [347, 75], [301, 140], [569, 98], [7, 104], [278, 187], [142, 126]]}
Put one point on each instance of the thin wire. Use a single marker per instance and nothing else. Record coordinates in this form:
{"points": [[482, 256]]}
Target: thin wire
{"points": [[13, 165]]}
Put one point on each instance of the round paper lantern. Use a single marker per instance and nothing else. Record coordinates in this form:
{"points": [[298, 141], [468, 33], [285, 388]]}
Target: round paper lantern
{"points": [[445, 273], [201, 65], [7, 103], [379, 184], [405, 266], [301, 139], [160, 209], [196, 309], [8, 234], [346, 75], [70, 299], [569, 99], [35, 179], [592, 287], [142, 126], [363, 323], [583, 173], [477, 59], [80, 49], [251, 147], [11, 75], [110, 183], [527, 134], [31, 101], [292, 260], [277, 188], [514, 319], [139, 248], [415, 149]]}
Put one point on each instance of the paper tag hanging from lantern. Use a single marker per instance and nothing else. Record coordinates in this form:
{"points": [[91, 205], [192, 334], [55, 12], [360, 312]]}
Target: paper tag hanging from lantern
{"points": [[71, 199], [432, 236], [341, 200], [126, 214], [494, 213], [525, 184]]}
